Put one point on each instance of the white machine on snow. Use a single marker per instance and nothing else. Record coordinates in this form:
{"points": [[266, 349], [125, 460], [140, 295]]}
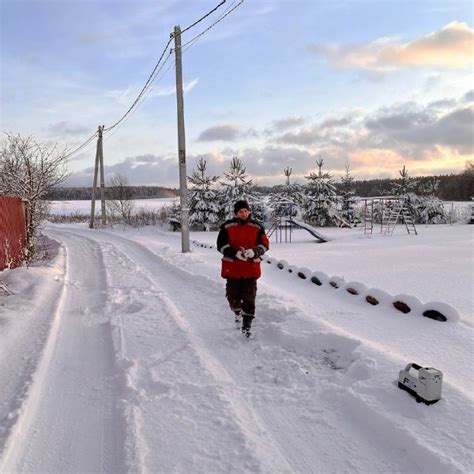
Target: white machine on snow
{"points": [[424, 383]]}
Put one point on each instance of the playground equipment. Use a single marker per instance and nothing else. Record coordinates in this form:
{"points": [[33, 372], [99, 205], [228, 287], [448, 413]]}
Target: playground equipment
{"points": [[283, 227], [390, 210]]}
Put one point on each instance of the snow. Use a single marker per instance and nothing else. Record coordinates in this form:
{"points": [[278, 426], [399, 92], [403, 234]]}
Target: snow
{"points": [[121, 355], [84, 206]]}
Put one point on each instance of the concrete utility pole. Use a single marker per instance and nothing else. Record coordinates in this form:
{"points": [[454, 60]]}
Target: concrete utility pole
{"points": [[181, 144], [99, 163], [102, 178]]}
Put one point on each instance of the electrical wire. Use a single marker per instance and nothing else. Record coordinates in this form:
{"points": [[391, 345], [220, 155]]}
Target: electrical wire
{"points": [[145, 87], [157, 69], [205, 16], [73, 152], [153, 75], [155, 81], [193, 40]]}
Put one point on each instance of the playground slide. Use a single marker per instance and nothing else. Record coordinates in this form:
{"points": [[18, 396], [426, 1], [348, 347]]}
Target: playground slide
{"points": [[342, 221], [310, 229]]}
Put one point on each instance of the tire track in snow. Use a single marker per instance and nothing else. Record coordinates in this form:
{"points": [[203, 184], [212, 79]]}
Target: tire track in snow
{"points": [[411, 427], [71, 422], [231, 417], [322, 436], [24, 355], [265, 409]]}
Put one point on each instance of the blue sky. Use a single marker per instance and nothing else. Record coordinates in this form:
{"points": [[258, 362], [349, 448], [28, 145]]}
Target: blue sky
{"points": [[373, 84]]}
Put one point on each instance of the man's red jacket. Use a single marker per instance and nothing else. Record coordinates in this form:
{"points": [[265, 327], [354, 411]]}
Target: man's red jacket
{"points": [[235, 235]]}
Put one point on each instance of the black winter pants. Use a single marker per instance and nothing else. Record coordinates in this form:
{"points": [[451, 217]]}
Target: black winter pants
{"points": [[241, 293]]}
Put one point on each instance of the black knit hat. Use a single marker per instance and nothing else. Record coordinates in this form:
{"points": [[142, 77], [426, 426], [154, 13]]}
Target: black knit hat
{"points": [[241, 205]]}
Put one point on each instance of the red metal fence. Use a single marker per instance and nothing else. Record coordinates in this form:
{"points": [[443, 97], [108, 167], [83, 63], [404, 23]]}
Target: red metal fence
{"points": [[12, 231]]}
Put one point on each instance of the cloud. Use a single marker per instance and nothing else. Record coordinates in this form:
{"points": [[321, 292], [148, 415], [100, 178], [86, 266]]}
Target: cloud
{"points": [[220, 132], [384, 163], [226, 132], [145, 169], [171, 90], [442, 104], [306, 136], [469, 96], [409, 124], [67, 128], [336, 122], [427, 138], [330, 131], [450, 47], [288, 122]]}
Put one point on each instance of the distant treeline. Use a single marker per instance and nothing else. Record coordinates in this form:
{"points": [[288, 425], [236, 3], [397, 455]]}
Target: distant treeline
{"points": [[458, 187], [450, 188], [138, 192]]}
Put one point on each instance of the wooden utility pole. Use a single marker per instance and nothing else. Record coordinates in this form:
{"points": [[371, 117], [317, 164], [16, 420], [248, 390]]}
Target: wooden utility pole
{"points": [[181, 143], [99, 162]]}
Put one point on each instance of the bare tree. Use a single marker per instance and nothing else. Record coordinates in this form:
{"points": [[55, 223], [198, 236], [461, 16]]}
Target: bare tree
{"points": [[29, 170], [120, 197]]}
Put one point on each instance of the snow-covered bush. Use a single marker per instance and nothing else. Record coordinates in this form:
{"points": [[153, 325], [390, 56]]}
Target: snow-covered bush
{"points": [[29, 170]]}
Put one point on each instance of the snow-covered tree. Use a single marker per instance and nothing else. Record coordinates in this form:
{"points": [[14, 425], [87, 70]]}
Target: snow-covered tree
{"points": [[257, 202], [348, 197], [404, 185], [428, 208], [203, 203], [174, 216], [321, 197], [404, 188], [287, 199], [236, 186], [29, 170]]}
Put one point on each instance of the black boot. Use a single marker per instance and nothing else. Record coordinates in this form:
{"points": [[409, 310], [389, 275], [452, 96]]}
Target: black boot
{"points": [[238, 316], [247, 324]]}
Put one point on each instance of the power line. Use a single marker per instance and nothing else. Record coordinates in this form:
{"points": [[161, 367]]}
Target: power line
{"points": [[80, 147], [157, 69], [145, 87], [193, 40], [205, 16], [150, 88], [151, 77]]}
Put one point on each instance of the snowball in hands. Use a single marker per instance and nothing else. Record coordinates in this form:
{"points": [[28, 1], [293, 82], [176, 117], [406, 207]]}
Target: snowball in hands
{"points": [[249, 253], [241, 255]]}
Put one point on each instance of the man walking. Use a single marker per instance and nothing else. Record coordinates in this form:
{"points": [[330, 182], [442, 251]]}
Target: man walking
{"points": [[242, 241]]}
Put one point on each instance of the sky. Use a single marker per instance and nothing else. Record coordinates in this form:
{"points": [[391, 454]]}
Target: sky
{"points": [[373, 85]]}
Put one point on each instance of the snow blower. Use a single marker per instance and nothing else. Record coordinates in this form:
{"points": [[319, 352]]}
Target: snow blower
{"points": [[424, 383]]}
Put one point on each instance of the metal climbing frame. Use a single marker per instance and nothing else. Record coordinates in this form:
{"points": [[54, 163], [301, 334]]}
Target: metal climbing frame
{"points": [[282, 228], [392, 210]]}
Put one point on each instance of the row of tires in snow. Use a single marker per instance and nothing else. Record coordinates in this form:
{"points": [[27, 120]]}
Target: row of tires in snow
{"points": [[405, 304]]}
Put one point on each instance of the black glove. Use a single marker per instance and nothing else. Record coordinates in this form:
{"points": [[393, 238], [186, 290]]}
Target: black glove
{"points": [[229, 252]]}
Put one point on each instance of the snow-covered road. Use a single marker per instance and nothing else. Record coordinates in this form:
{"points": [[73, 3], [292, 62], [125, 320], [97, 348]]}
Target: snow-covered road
{"points": [[143, 371]]}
